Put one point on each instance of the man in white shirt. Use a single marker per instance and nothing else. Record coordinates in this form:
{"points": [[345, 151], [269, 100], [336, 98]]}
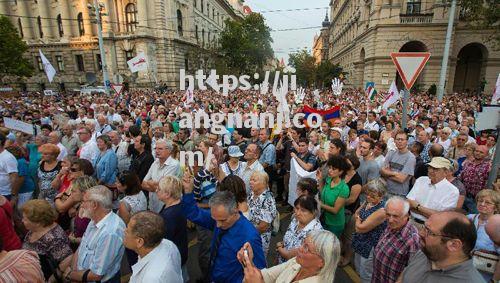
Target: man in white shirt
{"points": [[8, 171], [102, 126], [120, 147], [89, 148], [55, 138], [159, 259], [251, 156], [164, 165], [371, 124], [432, 194]]}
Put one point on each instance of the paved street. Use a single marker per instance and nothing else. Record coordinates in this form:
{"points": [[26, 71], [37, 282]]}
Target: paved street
{"points": [[344, 275]]}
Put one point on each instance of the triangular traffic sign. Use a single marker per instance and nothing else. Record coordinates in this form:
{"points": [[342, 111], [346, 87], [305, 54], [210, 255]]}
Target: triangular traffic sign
{"points": [[117, 88], [409, 65]]}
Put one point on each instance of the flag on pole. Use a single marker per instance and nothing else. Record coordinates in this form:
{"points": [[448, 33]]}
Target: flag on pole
{"points": [[370, 90], [138, 63], [496, 92], [392, 97], [188, 97], [47, 67]]}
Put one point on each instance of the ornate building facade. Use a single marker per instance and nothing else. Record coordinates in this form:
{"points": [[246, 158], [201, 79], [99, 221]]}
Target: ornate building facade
{"points": [[165, 30], [320, 43], [363, 33]]}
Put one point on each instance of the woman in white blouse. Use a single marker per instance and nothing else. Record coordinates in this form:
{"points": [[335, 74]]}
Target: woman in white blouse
{"points": [[303, 222], [316, 261]]}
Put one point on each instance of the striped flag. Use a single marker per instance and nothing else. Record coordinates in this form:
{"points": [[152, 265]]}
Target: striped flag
{"points": [[392, 97], [370, 90]]}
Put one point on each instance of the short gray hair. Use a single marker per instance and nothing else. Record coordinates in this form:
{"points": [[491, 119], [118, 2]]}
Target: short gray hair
{"points": [[328, 247], [226, 199], [377, 186], [101, 195], [168, 144], [398, 199]]}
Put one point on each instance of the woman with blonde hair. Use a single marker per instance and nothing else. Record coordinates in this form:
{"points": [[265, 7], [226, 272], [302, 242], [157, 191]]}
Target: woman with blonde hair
{"points": [[47, 171], [170, 193], [488, 204], [316, 261]]}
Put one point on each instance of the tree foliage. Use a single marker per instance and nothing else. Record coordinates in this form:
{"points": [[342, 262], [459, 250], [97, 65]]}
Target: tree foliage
{"points": [[482, 14], [245, 45], [311, 74], [12, 49]]}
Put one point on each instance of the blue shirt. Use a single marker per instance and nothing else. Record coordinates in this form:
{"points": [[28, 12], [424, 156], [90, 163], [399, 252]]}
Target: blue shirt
{"points": [[101, 249], [268, 153], [106, 167], [226, 267], [23, 171]]}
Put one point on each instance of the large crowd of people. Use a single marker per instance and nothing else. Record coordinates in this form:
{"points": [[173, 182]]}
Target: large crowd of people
{"points": [[98, 192]]}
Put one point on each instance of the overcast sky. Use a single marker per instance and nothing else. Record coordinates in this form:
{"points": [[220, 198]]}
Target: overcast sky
{"points": [[286, 42]]}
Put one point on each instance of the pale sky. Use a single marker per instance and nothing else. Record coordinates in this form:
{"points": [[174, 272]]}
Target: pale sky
{"points": [[286, 42]]}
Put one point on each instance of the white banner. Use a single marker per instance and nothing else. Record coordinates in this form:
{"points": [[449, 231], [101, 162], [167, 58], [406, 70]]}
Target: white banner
{"points": [[138, 63], [496, 92], [49, 70], [392, 97], [296, 174], [18, 125]]}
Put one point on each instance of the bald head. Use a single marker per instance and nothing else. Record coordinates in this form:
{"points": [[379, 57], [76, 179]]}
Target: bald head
{"points": [[493, 228]]}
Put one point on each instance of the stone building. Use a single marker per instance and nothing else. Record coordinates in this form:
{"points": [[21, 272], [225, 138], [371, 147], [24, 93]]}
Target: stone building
{"points": [[165, 30], [320, 43], [363, 33]]}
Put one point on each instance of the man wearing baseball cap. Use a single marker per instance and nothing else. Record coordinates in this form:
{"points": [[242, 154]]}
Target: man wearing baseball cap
{"points": [[433, 193]]}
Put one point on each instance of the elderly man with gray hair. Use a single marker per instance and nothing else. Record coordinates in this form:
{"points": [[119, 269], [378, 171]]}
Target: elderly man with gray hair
{"points": [[55, 138], [397, 244], [101, 250], [164, 165]]}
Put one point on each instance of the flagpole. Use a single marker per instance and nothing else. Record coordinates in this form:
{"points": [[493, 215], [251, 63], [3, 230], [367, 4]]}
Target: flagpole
{"points": [[405, 107]]}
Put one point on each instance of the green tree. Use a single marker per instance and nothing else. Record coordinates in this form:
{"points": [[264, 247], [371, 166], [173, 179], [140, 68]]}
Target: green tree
{"points": [[482, 14], [325, 72], [12, 49], [245, 45], [305, 67]]}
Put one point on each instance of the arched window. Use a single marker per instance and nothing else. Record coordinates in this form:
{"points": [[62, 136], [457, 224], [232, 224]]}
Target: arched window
{"points": [[131, 17], [81, 28], [60, 25], [179, 22], [20, 27], [195, 3], [39, 22], [202, 6]]}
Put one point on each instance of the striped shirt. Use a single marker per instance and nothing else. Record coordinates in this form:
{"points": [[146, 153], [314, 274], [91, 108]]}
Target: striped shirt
{"points": [[21, 266], [205, 184], [101, 249]]}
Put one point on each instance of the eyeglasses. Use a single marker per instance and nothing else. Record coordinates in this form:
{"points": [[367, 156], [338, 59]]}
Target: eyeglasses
{"points": [[482, 201], [427, 232]]}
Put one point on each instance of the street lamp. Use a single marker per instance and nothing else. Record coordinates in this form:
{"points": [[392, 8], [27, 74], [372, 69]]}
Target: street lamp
{"points": [[96, 10]]}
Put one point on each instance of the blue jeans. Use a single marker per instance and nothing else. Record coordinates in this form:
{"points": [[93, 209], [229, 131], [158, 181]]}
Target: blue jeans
{"points": [[470, 205]]}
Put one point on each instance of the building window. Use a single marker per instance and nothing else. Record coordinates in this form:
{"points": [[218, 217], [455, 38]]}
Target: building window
{"points": [[186, 63], [20, 27], [196, 33], [129, 55], [208, 9], [413, 7], [208, 38], [213, 13], [60, 25], [179, 22], [218, 18], [81, 28], [195, 3], [203, 37], [39, 63], [60, 63], [202, 6], [98, 61], [39, 22], [79, 63], [131, 17]]}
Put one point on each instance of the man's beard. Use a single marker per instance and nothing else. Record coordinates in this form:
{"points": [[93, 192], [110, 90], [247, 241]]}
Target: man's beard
{"points": [[434, 253], [84, 213]]}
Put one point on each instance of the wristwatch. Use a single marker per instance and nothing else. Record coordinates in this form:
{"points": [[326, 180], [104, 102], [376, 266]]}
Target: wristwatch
{"points": [[418, 207]]}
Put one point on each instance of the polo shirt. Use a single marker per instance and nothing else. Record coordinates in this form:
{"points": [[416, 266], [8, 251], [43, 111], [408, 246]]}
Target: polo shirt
{"points": [[170, 167], [329, 196], [419, 270], [152, 270], [441, 196]]}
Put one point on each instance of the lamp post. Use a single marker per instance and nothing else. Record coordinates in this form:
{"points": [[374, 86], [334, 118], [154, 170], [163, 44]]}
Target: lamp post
{"points": [[96, 10]]}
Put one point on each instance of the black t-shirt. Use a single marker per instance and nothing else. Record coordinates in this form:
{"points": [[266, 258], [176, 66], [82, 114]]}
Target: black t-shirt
{"points": [[355, 180], [175, 226], [141, 163]]}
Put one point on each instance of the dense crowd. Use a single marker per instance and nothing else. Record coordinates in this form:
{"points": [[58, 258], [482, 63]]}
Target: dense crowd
{"points": [[98, 189]]}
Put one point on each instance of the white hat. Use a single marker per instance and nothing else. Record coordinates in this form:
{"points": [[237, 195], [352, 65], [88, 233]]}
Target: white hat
{"points": [[234, 151]]}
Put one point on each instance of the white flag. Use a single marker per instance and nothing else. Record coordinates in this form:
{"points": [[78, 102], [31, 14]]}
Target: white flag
{"points": [[496, 92], [138, 63], [47, 67], [392, 97], [296, 174], [188, 97]]}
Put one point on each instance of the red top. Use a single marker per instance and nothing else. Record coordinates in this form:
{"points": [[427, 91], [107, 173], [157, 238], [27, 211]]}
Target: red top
{"points": [[65, 183], [10, 239]]}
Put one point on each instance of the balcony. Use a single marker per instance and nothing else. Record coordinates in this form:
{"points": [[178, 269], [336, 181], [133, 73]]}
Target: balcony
{"points": [[416, 18]]}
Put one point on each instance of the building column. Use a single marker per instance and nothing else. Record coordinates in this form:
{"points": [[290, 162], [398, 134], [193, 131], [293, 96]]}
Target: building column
{"points": [[142, 15], [48, 22], [69, 26], [89, 30]]}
